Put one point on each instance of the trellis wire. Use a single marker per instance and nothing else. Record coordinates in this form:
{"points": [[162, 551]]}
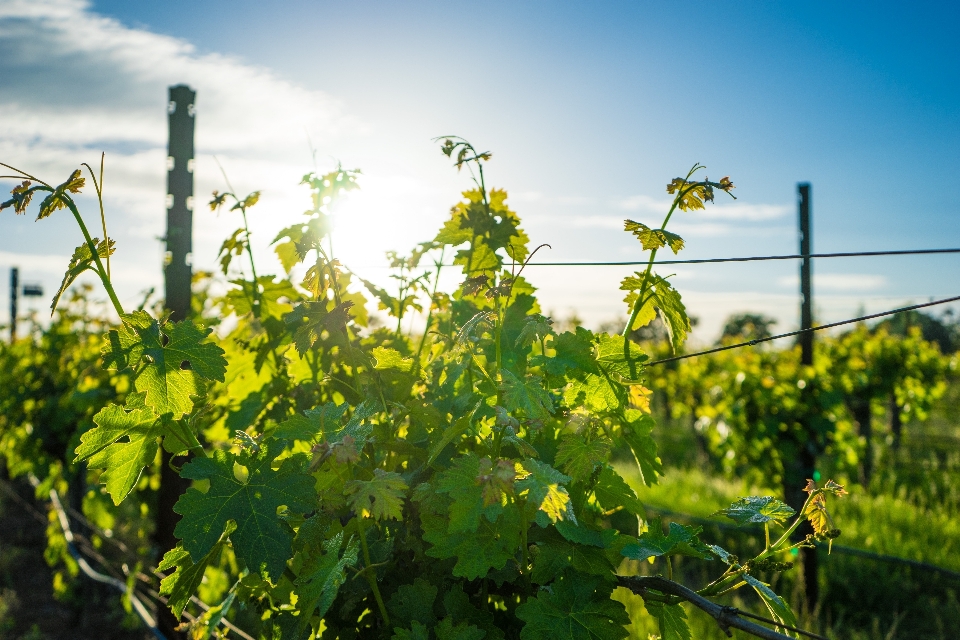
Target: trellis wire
{"points": [[821, 327]]}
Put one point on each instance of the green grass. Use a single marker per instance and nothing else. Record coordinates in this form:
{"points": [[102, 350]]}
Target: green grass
{"points": [[862, 599]]}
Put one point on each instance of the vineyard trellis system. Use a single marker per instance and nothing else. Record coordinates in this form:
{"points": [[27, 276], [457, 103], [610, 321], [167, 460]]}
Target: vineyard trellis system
{"points": [[510, 475]]}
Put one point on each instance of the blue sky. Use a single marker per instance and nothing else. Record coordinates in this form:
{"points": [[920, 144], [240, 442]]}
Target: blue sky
{"points": [[589, 110]]}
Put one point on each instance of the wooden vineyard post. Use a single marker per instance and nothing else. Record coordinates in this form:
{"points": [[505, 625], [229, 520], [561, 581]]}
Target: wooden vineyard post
{"points": [[14, 292], [800, 464], [178, 274]]}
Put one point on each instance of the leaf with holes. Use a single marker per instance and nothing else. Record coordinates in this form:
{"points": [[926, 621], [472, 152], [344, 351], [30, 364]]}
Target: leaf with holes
{"points": [[171, 360]]}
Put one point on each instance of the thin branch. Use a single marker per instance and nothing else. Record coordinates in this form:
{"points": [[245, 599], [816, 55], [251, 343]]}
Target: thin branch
{"points": [[727, 617]]}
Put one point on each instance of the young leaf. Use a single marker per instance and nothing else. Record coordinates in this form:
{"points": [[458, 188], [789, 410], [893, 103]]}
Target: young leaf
{"points": [[636, 433], [413, 603], [671, 619], [380, 498], [578, 456], [757, 510], [309, 319], [535, 329], [654, 238], [680, 540], [123, 462], [22, 194], [180, 585], [776, 605], [175, 359], [321, 576], [527, 395], [387, 358], [658, 296], [613, 492], [58, 199], [313, 425], [462, 483], [261, 539], [573, 609], [81, 261], [544, 489], [489, 547]]}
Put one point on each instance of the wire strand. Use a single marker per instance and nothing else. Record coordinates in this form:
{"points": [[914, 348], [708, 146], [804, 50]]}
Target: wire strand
{"points": [[751, 343], [792, 256]]}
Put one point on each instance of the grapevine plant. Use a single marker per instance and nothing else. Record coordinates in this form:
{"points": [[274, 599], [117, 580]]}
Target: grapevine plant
{"points": [[355, 481]]}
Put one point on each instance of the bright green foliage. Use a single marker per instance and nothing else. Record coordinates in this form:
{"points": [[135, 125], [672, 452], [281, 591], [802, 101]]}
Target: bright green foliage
{"points": [[171, 360], [339, 461], [379, 498], [651, 296], [654, 238], [260, 540], [757, 510], [573, 610], [180, 585], [81, 261], [124, 461]]}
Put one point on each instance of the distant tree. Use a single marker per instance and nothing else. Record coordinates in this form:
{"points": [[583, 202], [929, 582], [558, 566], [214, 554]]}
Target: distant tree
{"points": [[747, 326], [945, 331]]}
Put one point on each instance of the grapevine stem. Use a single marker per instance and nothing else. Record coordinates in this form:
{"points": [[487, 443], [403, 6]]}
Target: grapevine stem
{"points": [[426, 329], [371, 578], [104, 277]]}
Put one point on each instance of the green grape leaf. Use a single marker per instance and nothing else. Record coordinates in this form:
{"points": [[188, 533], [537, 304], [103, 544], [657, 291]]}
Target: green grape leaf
{"points": [[58, 199], [619, 358], [380, 498], [180, 585], [544, 489], [757, 510], [573, 352], [309, 319], [81, 261], [321, 577], [175, 360], [413, 603], [275, 298], [391, 359], [613, 492], [123, 462], [416, 632], [555, 556], [658, 297], [527, 395], [313, 425], [578, 457], [463, 631], [462, 483], [489, 547], [681, 540], [776, 605], [573, 609], [261, 539], [671, 619], [535, 329], [652, 239], [636, 432]]}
